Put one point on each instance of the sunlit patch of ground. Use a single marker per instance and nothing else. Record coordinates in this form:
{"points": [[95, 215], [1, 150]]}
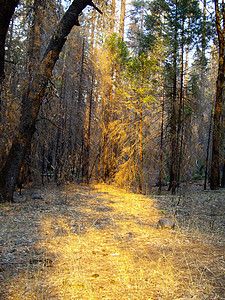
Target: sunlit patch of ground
{"points": [[100, 242]]}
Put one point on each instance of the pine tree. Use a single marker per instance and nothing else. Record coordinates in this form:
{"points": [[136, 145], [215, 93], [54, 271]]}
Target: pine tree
{"points": [[217, 126]]}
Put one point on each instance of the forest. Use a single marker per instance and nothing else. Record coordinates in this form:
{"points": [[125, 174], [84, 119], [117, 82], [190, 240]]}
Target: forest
{"points": [[134, 97], [112, 149]]}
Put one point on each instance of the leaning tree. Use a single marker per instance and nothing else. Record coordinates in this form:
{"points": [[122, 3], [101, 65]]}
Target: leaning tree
{"points": [[7, 8], [33, 96]]}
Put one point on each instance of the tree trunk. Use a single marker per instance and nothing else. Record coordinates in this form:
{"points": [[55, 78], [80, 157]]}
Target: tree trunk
{"points": [[112, 22], [141, 149], [215, 165], [207, 152], [122, 18], [173, 119], [161, 143], [32, 99], [107, 138], [180, 112], [7, 8], [223, 176], [89, 132], [80, 114]]}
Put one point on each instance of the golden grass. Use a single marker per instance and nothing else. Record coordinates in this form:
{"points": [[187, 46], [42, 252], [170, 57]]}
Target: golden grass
{"points": [[116, 253]]}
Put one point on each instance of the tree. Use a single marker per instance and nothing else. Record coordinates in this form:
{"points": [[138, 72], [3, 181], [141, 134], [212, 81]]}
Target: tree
{"points": [[33, 96], [217, 126], [138, 93], [122, 18], [136, 25], [6, 13], [177, 23]]}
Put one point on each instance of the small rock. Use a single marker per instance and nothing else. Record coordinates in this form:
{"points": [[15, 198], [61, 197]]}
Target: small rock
{"points": [[37, 196], [48, 262], [166, 224]]}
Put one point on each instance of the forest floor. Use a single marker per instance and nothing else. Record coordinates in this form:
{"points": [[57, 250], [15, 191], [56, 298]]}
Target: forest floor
{"points": [[101, 242]]}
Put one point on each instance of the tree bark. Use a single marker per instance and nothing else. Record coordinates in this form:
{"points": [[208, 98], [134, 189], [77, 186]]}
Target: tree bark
{"points": [[89, 131], [207, 152], [161, 143], [112, 22], [7, 8], [122, 18], [141, 149], [215, 165], [223, 176], [32, 99], [173, 116]]}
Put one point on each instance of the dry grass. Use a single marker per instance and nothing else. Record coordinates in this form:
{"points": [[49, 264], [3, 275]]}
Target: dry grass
{"points": [[109, 248]]}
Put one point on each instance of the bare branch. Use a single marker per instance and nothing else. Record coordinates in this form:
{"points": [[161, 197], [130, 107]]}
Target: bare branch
{"points": [[46, 119], [95, 7]]}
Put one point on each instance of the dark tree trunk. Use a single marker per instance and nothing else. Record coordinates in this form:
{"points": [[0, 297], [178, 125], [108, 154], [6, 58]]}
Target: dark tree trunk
{"points": [[32, 100], [180, 112], [80, 114], [7, 8], [89, 132], [207, 152], [161, 145], [173, 119], [107, 142], [215, 166], [223, 176]]}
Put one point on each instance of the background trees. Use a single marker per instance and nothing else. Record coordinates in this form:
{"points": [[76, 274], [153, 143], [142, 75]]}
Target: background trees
{"points": [[126, 104]]}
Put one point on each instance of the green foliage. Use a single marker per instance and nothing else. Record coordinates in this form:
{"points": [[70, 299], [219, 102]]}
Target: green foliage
{"points": [[117, 48], [199, 171], [139, 79], [188, 110]]}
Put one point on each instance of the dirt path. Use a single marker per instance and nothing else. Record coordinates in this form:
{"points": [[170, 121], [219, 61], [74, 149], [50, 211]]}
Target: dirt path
{"points": [[99, 242]]}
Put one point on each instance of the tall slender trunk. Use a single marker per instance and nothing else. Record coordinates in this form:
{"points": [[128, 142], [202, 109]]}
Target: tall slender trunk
{"points": [[223, 176], [112, 21], [180, 111], [107, 138], [99, 158], [141, 149], [80, 107], [89, 132], [215, 165], [122, 18], [161, 143], [201, 133], [207, 151], [173, 128], [173, 117]]}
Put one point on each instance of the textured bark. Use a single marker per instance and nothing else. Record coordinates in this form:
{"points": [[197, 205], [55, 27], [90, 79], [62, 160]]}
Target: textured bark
{"points": [[141, 149], [89, 132], [32, 99], [223, 176], [161, 143], [112, 23], [207, 152], [122, 18], [173, 119], [215, 165], [7, 8]]}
